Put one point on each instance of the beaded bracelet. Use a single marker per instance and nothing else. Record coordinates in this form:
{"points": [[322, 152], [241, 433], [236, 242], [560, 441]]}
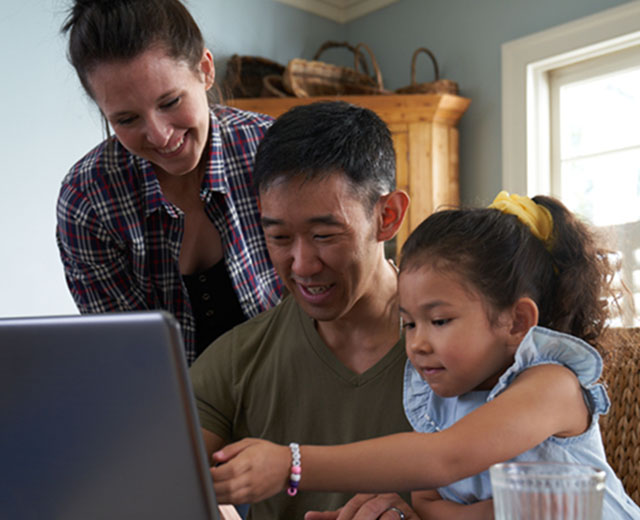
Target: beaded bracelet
{"points": [[296, 469]]}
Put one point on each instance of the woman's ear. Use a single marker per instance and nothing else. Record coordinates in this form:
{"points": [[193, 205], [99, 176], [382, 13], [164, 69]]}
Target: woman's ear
{"points": [[524, 316], [392, 209], [207, 68]]}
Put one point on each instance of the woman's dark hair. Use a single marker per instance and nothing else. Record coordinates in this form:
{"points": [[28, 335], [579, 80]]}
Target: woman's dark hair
{"points": [[569, 279], [107, 30], [325, 137]]}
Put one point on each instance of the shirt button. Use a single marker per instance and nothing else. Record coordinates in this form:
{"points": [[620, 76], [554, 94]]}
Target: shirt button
{"points": [[202, 278], [206, 297], [210, 313]]}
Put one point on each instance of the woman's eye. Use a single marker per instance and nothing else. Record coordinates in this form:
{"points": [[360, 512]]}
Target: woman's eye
{"points": [[171, 103], [126, 120], [408, 324]]}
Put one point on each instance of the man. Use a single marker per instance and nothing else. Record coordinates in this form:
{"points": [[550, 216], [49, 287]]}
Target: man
{"points": [[326, 365]]}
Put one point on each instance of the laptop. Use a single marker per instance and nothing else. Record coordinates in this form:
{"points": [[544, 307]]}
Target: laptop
{"points": [[98, 421]]}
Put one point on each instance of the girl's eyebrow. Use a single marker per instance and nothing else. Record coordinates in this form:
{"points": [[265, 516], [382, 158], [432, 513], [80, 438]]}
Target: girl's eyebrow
{"points": [[428, 306]]}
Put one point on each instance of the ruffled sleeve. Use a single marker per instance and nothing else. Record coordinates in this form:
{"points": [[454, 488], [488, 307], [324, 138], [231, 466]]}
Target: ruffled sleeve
{"points": [[543, 346], [417, 401], [428, 412]]}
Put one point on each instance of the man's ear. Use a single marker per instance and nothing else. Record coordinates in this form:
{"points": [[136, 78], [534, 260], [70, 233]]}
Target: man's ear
{"points": [[391, 211], [524, 315]]}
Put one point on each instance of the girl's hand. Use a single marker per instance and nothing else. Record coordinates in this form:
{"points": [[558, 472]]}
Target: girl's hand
{"points": [[250, 470]]}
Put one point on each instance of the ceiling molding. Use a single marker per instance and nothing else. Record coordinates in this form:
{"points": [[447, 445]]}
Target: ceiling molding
{"points": [[340, 11]]}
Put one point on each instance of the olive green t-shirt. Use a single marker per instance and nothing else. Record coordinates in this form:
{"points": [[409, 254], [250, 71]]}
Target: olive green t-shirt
{"points": [[273, 378]]}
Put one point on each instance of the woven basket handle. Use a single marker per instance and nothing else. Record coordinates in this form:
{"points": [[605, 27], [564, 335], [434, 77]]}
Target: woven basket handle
{"points": [[330, 44], [358, 57], [271, 83], [413, 63]]}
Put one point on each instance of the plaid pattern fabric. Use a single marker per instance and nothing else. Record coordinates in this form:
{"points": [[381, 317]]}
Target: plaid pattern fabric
{"points": [[119, 238]]}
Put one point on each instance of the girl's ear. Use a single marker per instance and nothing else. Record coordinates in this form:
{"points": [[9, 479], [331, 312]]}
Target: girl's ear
{"points": [[524, 316], [393, 207]]}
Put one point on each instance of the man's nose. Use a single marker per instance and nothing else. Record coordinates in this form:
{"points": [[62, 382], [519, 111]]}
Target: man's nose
{"points": [[305, 260]]}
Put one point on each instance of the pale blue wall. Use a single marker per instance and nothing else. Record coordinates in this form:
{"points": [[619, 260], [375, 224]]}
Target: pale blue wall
{"points": [[261, 28], [465, 36], [48, 123]]}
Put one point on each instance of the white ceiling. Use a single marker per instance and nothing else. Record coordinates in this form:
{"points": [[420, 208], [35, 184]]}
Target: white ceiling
{"points": [[338, 10]]}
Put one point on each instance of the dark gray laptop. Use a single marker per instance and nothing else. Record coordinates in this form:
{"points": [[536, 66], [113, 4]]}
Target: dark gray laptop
{"points": [[97, 421]]}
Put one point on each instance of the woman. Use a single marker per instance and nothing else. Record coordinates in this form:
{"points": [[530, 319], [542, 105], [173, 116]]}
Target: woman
{"points": [[162, 215]]}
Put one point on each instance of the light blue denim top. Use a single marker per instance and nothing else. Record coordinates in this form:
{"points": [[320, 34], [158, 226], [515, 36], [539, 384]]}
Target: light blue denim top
{"points": [[428, 412]]}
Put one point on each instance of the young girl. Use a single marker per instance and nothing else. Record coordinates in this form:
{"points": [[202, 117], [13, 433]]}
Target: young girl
{"points": [[499, 307]]}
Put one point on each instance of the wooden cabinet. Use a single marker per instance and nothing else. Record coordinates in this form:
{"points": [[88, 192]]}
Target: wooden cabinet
{"points": [[425, 139]]}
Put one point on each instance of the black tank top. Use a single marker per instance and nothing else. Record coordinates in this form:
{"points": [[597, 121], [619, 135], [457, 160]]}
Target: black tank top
{"points": [[215, 305]]}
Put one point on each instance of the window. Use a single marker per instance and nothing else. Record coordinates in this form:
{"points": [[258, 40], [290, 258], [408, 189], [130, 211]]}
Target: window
{"points": [[595, 137], [595, 153], [571, 127]]}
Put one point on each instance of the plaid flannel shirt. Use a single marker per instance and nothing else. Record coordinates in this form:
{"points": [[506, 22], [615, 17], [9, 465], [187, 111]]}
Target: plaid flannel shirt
{"points": [[119, 238]]}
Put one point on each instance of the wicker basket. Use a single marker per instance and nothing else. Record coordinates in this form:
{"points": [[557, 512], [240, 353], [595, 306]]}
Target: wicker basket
{"points": [[438, 86], [330, 44], [244, 77], [304, 78], [272, 86]]}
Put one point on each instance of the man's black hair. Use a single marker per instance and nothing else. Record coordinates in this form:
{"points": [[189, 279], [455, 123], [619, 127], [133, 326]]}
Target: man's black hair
{"points": [[322, 138]]}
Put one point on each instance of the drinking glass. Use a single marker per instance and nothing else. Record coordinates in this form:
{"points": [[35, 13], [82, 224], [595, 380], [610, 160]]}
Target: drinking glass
{"points": [[546, 491]]}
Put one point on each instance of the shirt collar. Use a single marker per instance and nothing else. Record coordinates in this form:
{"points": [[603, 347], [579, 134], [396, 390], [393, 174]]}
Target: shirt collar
{"points": [[215, 178]]}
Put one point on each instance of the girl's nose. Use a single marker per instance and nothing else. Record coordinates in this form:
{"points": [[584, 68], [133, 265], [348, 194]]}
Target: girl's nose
{"points": [[418, 343]]}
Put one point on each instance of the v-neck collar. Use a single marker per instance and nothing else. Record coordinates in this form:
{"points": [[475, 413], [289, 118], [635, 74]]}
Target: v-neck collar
{"points": [[330, 360]]}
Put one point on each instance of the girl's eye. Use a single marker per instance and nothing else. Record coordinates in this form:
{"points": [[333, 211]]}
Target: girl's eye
{"points": [[441, 322], [408, 324]]}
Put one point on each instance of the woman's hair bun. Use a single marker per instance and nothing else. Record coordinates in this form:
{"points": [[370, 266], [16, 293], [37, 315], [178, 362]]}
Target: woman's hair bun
{"points": [[107, 30]]}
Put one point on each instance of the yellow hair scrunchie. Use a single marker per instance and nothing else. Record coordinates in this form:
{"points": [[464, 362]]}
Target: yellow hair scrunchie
{"points": [[536, 217]]}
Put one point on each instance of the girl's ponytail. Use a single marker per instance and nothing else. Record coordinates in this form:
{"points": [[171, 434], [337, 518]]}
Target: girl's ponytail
{"points": [[583, 275]]}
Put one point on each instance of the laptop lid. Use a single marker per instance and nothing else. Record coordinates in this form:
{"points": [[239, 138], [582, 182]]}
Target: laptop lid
{"points": [[98, 421]]}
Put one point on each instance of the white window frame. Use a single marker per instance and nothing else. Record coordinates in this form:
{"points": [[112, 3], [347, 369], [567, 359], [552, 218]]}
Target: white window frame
{"points": [[526, 64], [626, 59]]}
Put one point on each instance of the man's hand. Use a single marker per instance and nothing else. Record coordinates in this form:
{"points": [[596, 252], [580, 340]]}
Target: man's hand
{"points": [[250, 470], [368, 507]]}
